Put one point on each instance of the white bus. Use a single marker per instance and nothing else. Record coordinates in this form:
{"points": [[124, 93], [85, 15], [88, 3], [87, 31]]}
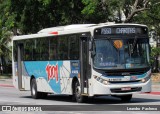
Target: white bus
{"points": [[83, 60]]}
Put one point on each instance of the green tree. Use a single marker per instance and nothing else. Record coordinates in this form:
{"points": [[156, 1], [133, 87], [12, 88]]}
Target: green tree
{"points": [[5, 48], [151, 17], [7, 17], [155, 52], [115, 10], [33, 15], [97, 11], [6, 25]]}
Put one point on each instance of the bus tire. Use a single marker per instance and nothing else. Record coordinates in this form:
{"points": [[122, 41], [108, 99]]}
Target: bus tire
{"points": [[34, 93], [77, 93], [126, 98]]}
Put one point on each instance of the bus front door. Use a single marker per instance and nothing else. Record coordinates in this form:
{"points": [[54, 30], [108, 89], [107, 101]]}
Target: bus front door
{"points": [[19, 60], [84, 64]]}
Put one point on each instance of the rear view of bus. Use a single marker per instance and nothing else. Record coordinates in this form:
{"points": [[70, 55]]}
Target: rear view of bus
{"points": [[121, 61]]}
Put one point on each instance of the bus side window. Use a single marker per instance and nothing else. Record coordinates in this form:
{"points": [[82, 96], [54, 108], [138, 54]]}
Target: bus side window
{"points": [[44, 49], [36, 49], [53, 49], [63, 48], [28, 50], [74, 47]]}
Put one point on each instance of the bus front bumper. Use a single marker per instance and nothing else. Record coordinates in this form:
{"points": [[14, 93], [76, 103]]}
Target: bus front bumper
{"points": [[120, 88]]}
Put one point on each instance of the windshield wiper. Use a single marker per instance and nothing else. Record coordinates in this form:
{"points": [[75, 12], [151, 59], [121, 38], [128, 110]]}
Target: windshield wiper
{"points": [[134, 44], [109, 39]]}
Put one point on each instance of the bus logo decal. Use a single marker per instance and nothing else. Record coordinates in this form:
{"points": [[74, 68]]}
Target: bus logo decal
{"points": [[52, 72]]}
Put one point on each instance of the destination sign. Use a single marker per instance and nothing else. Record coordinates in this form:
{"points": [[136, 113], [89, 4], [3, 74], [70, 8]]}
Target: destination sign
{"points": [[125, 30], [120, 30]]}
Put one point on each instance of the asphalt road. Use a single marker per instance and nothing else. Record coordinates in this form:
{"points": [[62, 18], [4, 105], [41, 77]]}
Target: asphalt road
{"points": [[12, 96]]}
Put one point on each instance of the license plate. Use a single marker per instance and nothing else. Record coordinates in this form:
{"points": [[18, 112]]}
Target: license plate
{"points": [[125, 88]]}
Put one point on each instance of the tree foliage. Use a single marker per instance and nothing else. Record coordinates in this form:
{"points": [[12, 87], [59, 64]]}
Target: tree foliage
{"points": [[114, 10], [29, 16], [5, 26], [96, 11], [5, 48], [33, 15], [155, 52]]}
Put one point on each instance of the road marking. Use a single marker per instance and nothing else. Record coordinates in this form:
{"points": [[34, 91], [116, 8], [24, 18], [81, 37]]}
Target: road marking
{"points": [[13, 101], [149, 95], [4, 85]]}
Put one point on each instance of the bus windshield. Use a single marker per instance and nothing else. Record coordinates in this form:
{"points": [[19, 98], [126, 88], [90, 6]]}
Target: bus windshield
{"points": [[121, 53]]}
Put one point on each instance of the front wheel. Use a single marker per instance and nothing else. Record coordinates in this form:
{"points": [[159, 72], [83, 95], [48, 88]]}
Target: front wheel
{"points": [[77, 93]]}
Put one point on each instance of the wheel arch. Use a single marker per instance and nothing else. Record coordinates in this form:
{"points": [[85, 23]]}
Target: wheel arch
{"points": [[32, 77], [74, 80]]}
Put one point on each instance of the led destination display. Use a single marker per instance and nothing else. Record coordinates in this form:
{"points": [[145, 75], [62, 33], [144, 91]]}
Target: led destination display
{"points": [[120, 30]]}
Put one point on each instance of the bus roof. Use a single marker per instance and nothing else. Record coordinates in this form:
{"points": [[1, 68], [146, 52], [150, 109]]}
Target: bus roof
{"points": [[69, 29]]}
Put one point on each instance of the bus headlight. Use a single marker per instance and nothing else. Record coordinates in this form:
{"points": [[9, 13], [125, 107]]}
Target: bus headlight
{"points": [[146, 78], [103, 81], [143, 80]]}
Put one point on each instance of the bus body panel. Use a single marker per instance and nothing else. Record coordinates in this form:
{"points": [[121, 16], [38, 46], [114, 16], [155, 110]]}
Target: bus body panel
{"points": [[43, 86], [113, 88], [101, 89], [51, 76], [56, 76], [14, 73], [15, 76]]}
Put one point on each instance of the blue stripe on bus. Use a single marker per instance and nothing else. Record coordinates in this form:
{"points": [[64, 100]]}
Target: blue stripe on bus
{"points": [[38, 69]]}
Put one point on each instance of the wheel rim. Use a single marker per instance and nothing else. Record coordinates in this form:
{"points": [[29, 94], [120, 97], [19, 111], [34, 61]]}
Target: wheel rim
{"points": [[78, 92], [33, 90]]}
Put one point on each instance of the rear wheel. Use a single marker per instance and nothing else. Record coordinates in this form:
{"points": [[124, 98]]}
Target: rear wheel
{"points": [[34, 93]]}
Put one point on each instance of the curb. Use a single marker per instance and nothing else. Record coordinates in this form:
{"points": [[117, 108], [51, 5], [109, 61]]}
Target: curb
{"points": [[152, 93], [5, 85]]}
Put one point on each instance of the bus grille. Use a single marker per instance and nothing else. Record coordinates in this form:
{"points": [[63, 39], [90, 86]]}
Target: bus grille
{"points": [[123, 73], [135, 89], [116, 82]]}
